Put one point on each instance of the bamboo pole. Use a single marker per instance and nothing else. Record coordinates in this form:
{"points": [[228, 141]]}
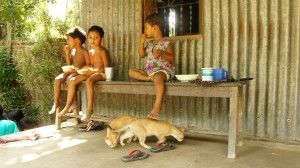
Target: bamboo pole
{"points": [[9, 41]]}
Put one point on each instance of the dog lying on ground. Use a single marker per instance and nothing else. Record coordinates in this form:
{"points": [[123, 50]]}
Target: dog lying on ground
{"points": [[126, 126]]}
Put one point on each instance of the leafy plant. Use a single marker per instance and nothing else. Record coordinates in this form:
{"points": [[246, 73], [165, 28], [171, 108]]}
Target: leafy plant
{"points": [[37, 68], [12, 94], [38, 64]]}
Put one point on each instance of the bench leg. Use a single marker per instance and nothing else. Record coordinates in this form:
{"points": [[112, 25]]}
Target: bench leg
{"points": [[240, 116], [57, 121], [233, 118], [77, 120]]}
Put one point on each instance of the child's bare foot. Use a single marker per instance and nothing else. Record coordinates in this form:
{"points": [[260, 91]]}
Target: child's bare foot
{"points": [[54, 109], [86, 118], [154, 115], [72, 108], [63, 112]]}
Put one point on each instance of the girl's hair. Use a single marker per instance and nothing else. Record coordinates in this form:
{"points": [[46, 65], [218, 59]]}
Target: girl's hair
{"points": [[15, 115], [97, 29], [77, 33], [155, 20], [27, 123]]}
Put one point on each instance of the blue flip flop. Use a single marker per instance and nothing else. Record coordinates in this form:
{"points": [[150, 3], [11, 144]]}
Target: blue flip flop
{"points": [[162, 147], [134, 155]]}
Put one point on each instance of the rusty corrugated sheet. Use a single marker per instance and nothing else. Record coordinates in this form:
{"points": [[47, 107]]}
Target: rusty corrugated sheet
{"points": [[250, 38]]}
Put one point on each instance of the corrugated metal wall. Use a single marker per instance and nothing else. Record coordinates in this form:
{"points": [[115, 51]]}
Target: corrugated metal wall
{"points": [[250, 38]]}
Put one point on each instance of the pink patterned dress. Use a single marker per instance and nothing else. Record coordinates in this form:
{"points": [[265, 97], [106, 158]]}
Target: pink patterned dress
{"points": [[154, 65]]}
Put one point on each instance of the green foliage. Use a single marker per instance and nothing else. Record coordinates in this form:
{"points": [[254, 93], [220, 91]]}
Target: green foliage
{"points": [[39, 64], [17, 13], [8, 74], [37, 68], [12, 94]]}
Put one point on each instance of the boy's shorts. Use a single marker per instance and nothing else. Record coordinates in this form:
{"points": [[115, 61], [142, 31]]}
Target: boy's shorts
{"points": [[102, 74], [164, 71]]}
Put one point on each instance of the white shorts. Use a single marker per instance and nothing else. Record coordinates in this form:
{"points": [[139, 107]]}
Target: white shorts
{"points": [[164, 71]]}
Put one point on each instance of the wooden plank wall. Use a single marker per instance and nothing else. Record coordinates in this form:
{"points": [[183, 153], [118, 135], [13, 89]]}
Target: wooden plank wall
{"points": [[250, 38]]}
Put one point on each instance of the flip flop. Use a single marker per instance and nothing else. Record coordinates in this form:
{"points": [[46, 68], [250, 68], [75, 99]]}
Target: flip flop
{"points": [[3, 141], [162, 147], [134, 155], [94, 125]]}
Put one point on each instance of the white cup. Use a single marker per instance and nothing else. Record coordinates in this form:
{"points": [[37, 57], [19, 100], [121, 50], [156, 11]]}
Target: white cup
{"points": [[109, 73], [207, 74]]}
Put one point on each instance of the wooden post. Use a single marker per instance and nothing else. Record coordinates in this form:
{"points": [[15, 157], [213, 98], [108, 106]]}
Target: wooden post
{"points": [[9, 41], [233, 114]]}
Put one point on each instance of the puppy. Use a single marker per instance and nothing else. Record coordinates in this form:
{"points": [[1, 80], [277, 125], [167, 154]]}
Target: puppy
{"points": [[142, 128]]}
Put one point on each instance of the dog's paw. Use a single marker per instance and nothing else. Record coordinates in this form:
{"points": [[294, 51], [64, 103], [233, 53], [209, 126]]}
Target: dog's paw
{"points": [[147, 147]]}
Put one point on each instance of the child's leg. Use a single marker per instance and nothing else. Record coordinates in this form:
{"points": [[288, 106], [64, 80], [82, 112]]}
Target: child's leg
{"points": [[90, 94], [74, 101], [71, 92], [139, 74], [57, 84], [159, 80]]}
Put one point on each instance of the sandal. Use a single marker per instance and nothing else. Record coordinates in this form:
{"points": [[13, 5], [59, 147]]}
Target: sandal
{"points": [[94, 125], [162, 147], [134, 155], [3, 141]]}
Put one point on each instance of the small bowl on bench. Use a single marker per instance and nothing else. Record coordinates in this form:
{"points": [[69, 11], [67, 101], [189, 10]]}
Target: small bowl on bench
{"points": [[187, 77], [68, 69]]}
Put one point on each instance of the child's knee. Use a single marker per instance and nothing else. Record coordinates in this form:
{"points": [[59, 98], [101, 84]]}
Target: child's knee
{"points": [[131, 72], [160, 77], [89, 83]]}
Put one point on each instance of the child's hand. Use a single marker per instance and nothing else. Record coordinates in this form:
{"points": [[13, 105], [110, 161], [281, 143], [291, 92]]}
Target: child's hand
{"points": [[68, 69], [67, 49], [157, 53], [85, 71], [143, 38]]}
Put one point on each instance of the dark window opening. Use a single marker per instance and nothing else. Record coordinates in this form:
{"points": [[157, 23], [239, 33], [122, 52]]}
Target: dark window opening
{"points": [[181, 17]]}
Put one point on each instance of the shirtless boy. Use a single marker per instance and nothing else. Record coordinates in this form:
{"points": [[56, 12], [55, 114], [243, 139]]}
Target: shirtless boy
{"points": [[100, 59], [76, 55]]}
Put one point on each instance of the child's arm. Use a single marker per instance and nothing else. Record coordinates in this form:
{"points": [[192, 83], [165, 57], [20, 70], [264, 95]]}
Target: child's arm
{"points": [[104, 55], [106, 59], [87, 58], [68, 57], [167, 54], [142, 46]]}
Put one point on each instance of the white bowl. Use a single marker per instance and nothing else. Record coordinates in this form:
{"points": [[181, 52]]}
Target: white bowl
{"points": [[68, 69], [187, 77]]}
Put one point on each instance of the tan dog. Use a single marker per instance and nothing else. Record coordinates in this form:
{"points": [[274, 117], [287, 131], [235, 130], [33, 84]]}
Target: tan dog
{"points": [[112, 137], [124, 127]]}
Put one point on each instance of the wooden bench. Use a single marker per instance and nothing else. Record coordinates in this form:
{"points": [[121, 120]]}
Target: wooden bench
{"points": [[233, 91]]}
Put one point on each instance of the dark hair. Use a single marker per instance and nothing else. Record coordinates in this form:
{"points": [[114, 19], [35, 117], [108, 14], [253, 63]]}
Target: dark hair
{"points": [[155, 20], [1, 113], [77, 33], [27, 123], [15, 115], [97, 29]]}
